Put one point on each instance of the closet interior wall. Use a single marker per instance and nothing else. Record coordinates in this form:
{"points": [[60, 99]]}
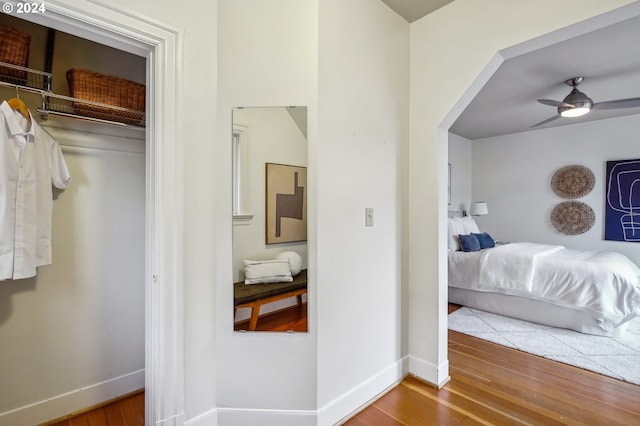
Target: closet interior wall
{"points": [[74, 335]]}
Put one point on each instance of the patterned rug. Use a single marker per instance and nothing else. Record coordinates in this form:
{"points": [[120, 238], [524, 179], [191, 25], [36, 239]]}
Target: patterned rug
{"points": [[617, 357]]}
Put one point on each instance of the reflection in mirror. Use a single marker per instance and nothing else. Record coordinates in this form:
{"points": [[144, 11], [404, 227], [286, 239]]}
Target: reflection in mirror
{"points": [[269, 154]]}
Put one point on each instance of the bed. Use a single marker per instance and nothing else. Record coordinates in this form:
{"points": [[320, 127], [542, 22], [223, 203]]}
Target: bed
{"points": [[590, 292]]}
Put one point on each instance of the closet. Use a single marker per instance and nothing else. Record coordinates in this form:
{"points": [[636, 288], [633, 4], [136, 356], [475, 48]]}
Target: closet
{"points": [[74, 335]]}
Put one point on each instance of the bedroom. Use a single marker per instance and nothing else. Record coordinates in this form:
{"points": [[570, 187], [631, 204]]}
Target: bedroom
{"points": [[513, 173], [496, 156]]}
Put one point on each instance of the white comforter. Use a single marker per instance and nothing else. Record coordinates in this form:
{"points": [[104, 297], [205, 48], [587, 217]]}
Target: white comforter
{"points": [[605, 283]]}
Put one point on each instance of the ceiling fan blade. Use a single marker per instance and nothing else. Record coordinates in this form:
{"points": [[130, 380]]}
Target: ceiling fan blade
{"points": [[618, 104], [553, 103], [546, 121]]}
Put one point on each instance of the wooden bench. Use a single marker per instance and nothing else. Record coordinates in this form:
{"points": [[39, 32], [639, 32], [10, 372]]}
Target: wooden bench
{"points": [[255, 295]]}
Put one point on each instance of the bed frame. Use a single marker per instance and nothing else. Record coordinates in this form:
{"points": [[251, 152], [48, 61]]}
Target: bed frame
{"points": [[531, 310]]}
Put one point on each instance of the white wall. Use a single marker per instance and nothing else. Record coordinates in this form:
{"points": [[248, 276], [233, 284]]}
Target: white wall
{"points": [[272, 137], [267, 56], [361, 157], [461, 168], [444, 62], [513, 174]]}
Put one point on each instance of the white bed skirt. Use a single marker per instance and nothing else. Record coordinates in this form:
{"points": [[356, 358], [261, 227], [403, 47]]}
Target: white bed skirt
{"points": [[531, 310]]}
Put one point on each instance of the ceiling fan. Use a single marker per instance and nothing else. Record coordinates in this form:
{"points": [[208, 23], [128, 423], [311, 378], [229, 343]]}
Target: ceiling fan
{"points": [[577, 103]]}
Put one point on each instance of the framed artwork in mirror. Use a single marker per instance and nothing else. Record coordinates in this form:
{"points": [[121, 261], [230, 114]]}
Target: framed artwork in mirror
{"points": [[286, 207]]}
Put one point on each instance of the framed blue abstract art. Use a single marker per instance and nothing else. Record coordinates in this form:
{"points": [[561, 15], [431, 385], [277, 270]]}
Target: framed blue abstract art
{"points": [[622, 210]]}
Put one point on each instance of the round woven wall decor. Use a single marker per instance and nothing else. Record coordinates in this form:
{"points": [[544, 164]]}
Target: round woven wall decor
{"points": [[572, 217], [573, 181]]}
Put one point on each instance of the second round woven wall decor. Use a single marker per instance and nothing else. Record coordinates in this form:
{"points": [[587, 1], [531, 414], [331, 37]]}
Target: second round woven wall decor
{"points": [[574, 181], [572, 217]]}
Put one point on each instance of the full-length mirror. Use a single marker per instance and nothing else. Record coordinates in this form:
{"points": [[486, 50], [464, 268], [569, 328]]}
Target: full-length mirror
{"points": [[269, 155]]}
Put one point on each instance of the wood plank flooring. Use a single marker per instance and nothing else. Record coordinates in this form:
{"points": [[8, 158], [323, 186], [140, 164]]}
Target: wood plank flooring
{"points": [[495, 385], [127, 411], [290, 319], [490, 385]]}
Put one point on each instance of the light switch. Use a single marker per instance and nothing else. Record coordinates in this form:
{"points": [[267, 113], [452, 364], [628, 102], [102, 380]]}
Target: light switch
{"points": [[368, 216]]}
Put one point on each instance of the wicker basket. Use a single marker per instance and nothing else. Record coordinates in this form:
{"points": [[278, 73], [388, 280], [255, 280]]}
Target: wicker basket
{"points": [[127, 97], [14, 50]]}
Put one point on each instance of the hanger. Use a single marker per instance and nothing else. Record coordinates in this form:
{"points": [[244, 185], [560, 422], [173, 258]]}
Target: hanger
{"points": [[18, 104]]}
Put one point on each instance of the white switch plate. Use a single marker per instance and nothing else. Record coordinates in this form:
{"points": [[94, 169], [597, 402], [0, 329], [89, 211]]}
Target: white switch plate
{"points": [[368, 216]]}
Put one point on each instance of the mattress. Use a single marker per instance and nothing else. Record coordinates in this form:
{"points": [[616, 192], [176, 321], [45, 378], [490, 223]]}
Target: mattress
{"points": [[591, 292]]}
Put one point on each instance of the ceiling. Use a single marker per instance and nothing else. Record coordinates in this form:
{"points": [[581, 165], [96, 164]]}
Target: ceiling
{"points": [[412, 10], [608, 59]]}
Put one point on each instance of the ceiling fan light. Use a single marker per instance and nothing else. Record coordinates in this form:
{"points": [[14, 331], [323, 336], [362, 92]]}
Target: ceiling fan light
{"points": [[581, 104], [575, 112]]}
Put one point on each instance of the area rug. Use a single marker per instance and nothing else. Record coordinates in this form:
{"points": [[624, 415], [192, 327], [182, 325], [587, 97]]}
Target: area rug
{"points": [[617, 357]]}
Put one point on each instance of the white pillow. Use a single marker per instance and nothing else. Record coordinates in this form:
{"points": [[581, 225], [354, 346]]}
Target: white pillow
{"points": [[295, 261], [452, 234], [267, 271], [460, 225], [469, 225]]}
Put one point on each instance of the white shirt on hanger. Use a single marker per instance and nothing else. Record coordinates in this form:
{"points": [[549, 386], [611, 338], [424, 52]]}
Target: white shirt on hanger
{"points": [[30, 163]]}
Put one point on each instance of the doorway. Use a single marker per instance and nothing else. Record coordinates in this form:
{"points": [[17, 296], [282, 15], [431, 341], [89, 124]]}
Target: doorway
{"points": [[583, 31], [160, 45]]}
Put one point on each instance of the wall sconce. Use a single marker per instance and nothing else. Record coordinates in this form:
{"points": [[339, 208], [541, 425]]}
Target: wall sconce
{"points": [[479, 208]]}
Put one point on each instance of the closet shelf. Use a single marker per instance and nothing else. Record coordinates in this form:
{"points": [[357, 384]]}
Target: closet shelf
{"points": [[68, 106], [39, 82], [24, 78]]}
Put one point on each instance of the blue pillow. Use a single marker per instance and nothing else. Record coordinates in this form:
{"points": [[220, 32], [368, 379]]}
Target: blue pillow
{"points": [[469, 242], [485, 240]]}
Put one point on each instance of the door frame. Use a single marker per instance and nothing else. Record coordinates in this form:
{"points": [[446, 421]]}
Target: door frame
{"points": [[161, 45]]}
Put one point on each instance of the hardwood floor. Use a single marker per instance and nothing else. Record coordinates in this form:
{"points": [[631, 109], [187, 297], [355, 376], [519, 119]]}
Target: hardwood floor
{"points": [[495, 385], [127, 411], [291, 319], [490, 385]]}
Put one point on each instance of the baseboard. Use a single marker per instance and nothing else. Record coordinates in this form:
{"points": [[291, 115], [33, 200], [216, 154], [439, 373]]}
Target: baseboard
{"points": [[337, 411], [353, 401], [208, 418], [175, 420], [71, 402], [435, 375], [257, 417]]}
